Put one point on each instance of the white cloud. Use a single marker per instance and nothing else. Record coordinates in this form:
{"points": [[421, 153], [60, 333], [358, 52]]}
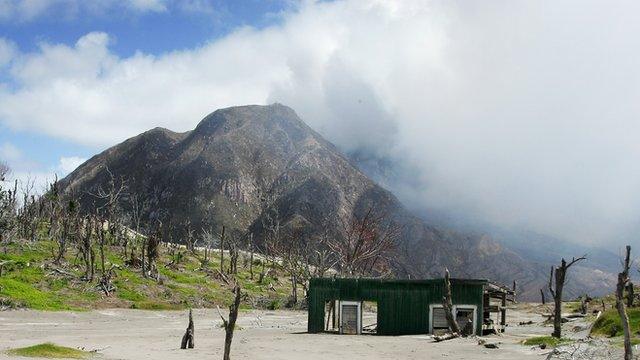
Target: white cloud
{"points": [[29, 10], [197, 6], [32, 173], [148, 5], [7, 51], [505, 111], [68, 164], [9, 152], [27, 172]]}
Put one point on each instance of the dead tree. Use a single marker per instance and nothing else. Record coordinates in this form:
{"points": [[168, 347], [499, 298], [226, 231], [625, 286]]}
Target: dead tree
{"points": [[209, 240], [152, 250], [86, 250], [222, 251], [7, 206], [27, 216], [138, 207], [229, 326], [4, 170], [101, 236], [583, 305], [559, 273], [630, 294], [368, 240], [251, 249], [321, 256], [542, 296], [448, 305], [188, 340], [623, 279], [66, 229], [289, 249], [109, 201], [233, 244]]}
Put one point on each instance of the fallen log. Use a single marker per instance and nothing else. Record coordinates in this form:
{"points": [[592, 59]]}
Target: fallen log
{"points": [[447, 336], [574, 316]]}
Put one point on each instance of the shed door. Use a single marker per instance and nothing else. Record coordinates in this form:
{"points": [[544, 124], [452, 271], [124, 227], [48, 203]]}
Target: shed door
{"points": [[350, 318], [439, 319]]}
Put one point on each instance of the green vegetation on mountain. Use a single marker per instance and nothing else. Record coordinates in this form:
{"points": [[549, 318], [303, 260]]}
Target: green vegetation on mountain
{"points": [[31, 280]]}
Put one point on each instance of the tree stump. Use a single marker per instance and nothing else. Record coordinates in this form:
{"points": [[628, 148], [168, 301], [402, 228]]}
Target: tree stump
{"points": [[188, 340]]}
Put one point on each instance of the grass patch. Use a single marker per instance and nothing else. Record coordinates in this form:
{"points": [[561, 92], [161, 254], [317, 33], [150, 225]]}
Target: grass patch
{"points": [[49, 350], [131, 295], [27, 295], [182, 278], [549, 341], [609, 324]]}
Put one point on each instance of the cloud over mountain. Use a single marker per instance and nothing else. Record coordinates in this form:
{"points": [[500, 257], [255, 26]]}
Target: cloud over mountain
{"points": [[507, 112]]}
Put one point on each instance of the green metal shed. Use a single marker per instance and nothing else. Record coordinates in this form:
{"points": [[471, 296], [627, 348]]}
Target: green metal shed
{"points": [[404, 307]]}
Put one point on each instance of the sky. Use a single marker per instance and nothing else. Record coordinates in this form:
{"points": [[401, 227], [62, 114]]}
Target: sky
{"points": [[520, 114]]}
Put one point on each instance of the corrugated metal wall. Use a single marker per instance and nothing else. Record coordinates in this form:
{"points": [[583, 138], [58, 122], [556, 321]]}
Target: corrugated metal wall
{"points": [[403, 305]]}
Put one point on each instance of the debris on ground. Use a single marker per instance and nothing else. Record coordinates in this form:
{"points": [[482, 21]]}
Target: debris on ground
{"points": [[585, 349]]}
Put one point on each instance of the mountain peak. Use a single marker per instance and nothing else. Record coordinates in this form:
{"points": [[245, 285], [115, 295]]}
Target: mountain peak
{"points": [[238, 115]]}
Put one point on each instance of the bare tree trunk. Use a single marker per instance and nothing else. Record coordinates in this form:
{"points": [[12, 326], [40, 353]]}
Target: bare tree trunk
{"points": [[262, 271], [251, 259], [294, 289], [447, 304], [630, 294], [93, 265], [222, 251], [559, 274], [330, 315], [583, 305], [229, 326], [623, 278], [557, 303], [542, 296], [144, 261], [87, 250], [188, 340]]}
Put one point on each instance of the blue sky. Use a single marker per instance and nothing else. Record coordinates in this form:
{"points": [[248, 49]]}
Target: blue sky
{"points": [[147, 30], [503, 111], [153, 32]]}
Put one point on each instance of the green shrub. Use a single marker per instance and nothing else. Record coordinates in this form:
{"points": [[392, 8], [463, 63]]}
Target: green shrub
{"points": [[274, 304], [609, 324]]}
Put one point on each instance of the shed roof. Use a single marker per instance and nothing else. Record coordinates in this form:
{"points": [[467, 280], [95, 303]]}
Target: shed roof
{"points": [[401, 281]]}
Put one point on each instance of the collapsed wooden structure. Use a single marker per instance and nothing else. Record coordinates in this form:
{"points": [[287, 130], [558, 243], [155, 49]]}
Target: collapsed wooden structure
{"points": [[406, 307]]}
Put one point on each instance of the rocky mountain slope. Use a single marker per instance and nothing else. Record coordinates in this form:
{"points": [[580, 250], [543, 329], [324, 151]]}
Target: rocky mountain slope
{"points": [[241, 163]]}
